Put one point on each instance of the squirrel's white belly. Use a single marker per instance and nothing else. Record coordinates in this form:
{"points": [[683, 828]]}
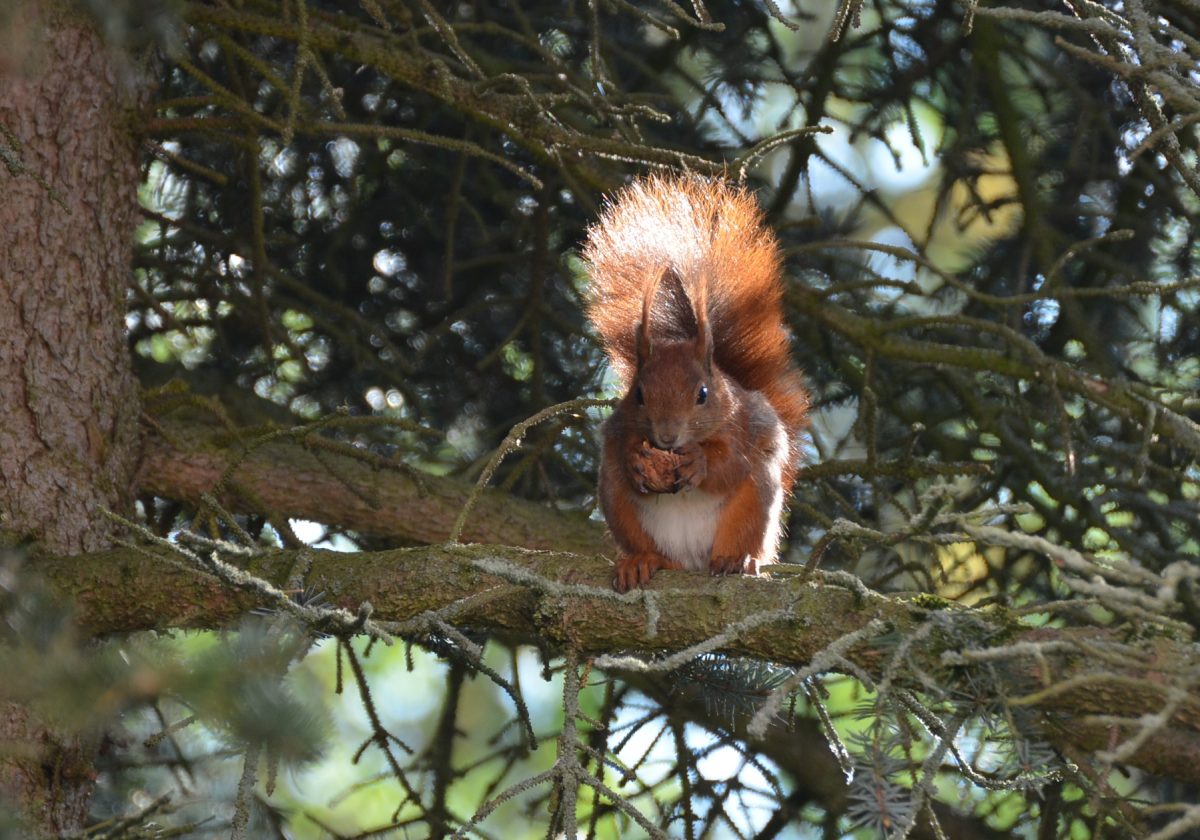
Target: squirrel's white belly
{"points": [[682, 525]]}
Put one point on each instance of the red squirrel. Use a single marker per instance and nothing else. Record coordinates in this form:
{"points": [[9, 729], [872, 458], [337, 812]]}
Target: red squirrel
{"points": [[701, 452]]}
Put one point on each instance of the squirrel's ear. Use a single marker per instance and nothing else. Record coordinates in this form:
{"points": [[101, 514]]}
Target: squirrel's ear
{"points": [[644, 346], [643, 342], [669, 314], [704, 342], [677, 313]]}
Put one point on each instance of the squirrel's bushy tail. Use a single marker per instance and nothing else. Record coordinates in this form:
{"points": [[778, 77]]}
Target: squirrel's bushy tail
{"points": [[710, 233]]}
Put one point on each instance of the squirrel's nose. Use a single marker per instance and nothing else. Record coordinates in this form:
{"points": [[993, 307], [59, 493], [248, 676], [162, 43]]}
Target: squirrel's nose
{"points": [[666, 441]]}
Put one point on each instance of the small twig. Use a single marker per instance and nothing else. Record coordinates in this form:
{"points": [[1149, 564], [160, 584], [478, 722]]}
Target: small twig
{"points": [[509, 444], [825, 659]]}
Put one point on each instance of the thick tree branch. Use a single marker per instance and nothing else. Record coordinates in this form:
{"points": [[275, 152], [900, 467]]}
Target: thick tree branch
{"points": [[560, 598], [307, 477]]}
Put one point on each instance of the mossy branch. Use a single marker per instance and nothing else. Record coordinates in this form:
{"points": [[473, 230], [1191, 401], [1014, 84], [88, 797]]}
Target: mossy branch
{"points": [[565, 599]]}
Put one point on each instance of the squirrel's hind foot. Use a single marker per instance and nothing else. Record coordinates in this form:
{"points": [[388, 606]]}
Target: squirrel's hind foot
{"points": [[733, 565]]}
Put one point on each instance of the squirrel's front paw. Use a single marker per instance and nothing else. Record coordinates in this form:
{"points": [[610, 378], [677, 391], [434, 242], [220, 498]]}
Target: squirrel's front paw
{"points": [[691, 467], [653, 470], [635, 569], [732, 564]]}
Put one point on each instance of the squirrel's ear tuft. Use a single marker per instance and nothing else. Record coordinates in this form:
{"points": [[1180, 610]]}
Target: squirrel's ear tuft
{"points": [[645, 326], [643, 340], [704, 343], [704, 338]]}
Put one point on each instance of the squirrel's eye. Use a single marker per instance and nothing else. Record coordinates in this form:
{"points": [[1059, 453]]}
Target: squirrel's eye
{"points": [[639, 396], [702, 396]]}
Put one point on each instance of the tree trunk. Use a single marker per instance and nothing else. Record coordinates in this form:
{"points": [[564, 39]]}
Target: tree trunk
{"points": [[68, 399]]}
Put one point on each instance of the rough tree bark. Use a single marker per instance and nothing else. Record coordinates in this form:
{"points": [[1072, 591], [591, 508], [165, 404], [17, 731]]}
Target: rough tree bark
{"points": [[68, 399]]}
